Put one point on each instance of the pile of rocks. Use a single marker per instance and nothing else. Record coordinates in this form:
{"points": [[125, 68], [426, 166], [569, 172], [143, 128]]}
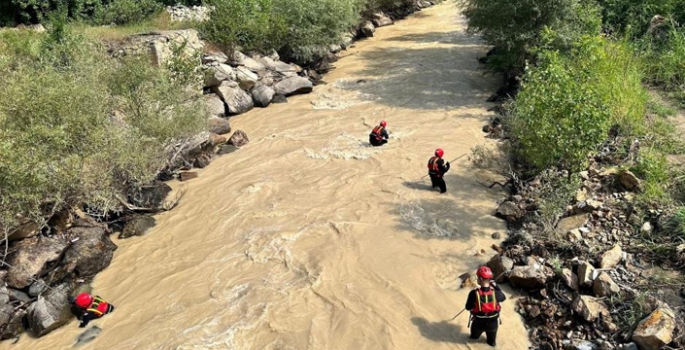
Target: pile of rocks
{"points": [[182, 13]]}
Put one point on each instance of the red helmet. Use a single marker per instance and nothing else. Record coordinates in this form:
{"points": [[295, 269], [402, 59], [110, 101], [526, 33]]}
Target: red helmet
{"points": [[83, 300], [484, 272], [439, 152], [384, 123]]}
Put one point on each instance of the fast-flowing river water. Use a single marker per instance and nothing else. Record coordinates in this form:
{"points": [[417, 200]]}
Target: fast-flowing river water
{"points": [[307, 238]]}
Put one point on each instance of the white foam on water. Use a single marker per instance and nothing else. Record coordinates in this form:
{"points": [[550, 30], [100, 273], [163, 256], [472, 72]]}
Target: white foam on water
{"points": [[344, 146], [424, 223]]}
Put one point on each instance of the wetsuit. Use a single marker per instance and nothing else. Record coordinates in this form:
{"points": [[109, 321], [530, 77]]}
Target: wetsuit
{"points": [[379, 136], [436, 170], [485, 314]]}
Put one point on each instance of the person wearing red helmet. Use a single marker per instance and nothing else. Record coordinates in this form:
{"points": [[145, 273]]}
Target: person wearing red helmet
{"points": [[93, 307], [484, 303], [379, 136], [437, 168]]}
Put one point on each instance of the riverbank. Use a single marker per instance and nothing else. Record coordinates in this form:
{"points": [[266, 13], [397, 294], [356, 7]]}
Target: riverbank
{"points": [[278, 244]]}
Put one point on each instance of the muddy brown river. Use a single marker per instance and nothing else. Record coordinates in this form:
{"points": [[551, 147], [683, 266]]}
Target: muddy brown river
{"points": [[307, 238]]}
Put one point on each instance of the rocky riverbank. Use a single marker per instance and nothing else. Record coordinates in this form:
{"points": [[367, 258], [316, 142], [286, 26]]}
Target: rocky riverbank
{"points": [[46, 264], [595, 266]]}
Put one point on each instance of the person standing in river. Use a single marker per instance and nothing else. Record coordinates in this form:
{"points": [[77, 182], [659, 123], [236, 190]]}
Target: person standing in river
{"points": [[437, 167], [379, 136], [484, 303]]}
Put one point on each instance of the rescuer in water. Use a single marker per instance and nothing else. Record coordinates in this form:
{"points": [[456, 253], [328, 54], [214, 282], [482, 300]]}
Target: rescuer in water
{"points": [[93, 307], [379, 136], [484, 304], [437, 167]]}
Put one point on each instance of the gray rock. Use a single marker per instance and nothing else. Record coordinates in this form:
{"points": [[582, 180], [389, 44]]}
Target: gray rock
{"points": [[17, 295], [25, 230], [226, 149], [284, 69], [570, 279], [279, 99], [238, 139], [37, 288], [160, 45], [218, 126], [380, 19], [500, 265], [630, 346], [532, 276], [573, 222], [238, 101], [367, 29], [218, 73], [612, 257], [30, 258], [152, 195], [629, 181], [4, 295], [88, 336], [15, 325], [589, 308], [508, 209], [656, 330], [262, 95], [51, 311], [604, 286], [293, 85], [92, 252], [216, 56], [239, 59], [246, 78], [586, 274], [137, 226]]}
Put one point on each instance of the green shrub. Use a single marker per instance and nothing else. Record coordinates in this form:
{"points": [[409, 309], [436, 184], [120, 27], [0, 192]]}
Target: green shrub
{"points": [[515, 27], [634, 16], [126, 11], [653, 168], [568, 103], [77, 126]]}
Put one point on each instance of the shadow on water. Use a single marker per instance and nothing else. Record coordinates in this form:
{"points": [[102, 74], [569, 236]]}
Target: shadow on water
{"points": [[442, 331], [430, 78], [448, 216]]}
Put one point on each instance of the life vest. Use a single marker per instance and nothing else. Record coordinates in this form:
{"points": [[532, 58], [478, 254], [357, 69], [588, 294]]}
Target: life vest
{"points": [[486, 304], [378, 132], [98, 307], [433, 166]]}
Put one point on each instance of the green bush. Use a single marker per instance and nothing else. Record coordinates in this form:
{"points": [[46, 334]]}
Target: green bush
{"points": [[653, 168], [634, 16], [77, 126], [515, 27], [298, 28], [126, 11], [568, 103]]}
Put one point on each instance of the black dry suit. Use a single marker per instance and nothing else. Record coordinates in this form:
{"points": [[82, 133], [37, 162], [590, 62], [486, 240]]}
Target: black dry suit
{"points": [[379, 136]]}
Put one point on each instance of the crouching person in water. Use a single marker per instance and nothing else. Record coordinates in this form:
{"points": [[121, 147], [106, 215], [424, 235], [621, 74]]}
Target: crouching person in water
{"points": [[379, 136], [484, 303], [93, 307]]}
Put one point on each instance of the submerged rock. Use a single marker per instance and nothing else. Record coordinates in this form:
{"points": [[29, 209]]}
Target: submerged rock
{"points": [[137, 226], [219, 126], [380, 19], [367, 29]]}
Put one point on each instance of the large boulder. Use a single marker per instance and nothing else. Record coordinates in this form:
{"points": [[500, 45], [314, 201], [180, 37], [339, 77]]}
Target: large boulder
{"points": [[237, 100], [160, 46], [509, 210], [51, 311], [137, 226], [180, 13], [215, 105], [611, 257], [500, 265], [380, 19], [589, 308], [282, 68], [218, 125], [293, 85], [152, 195], [604, 286], [217, 73], [26, 229], [29, 258], [367, 29], [238, 139], [531, 276], [238, 59], [629, 181], [656, 330], [262, 95], [246, 78], [91, 253]]}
